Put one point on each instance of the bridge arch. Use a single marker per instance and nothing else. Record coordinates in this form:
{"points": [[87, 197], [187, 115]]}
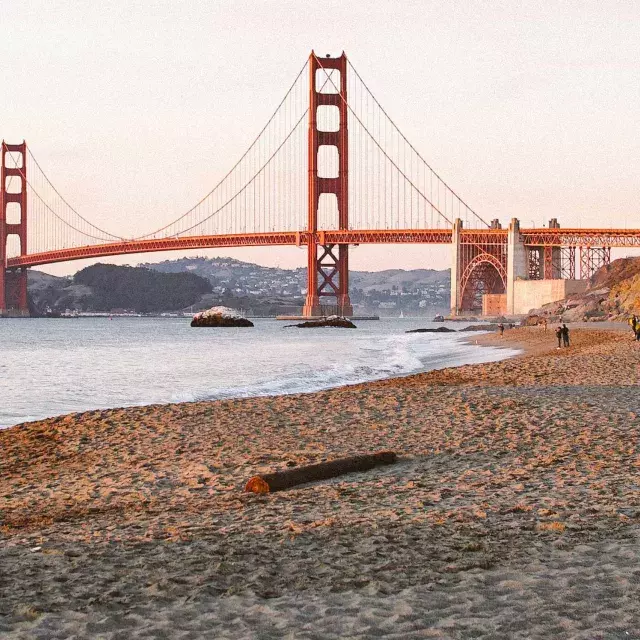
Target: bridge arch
{"points": [[484, 274]]}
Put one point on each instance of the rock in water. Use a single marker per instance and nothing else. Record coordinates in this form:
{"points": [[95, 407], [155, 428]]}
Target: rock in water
{"points": [[481, 327], [220, 317], [329, 321], [438, 330]]}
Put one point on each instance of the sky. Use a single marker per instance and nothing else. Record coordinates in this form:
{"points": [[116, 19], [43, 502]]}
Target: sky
{"points": [[135, 110]]}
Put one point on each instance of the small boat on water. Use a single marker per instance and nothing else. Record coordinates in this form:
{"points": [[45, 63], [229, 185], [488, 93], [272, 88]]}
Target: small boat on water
{"points": [[67, 313]]}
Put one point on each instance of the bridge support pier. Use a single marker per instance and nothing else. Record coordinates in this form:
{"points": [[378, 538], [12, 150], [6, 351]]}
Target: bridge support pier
{"points": [[13, 284], [327, 264], [517, 263], [455, 268]]}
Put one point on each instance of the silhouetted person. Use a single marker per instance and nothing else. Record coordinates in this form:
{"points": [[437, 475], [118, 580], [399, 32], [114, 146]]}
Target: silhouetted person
{"points": [[501, 329], [638, 332], [559, 336], [565, 335]]}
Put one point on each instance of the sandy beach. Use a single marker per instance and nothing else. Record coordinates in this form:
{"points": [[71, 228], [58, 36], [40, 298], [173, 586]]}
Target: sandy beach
{"points": [[514, 511]]}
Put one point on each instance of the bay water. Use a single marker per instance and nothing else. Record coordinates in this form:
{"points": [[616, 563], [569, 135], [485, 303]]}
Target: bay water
{"points": [[53, 366]]}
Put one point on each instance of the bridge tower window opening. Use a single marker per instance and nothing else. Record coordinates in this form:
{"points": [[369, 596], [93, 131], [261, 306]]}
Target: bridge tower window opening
{"points": [[328, 118], [13, 213], [328, 161], [328, 212], [13, 246], [13, 185], [327, 80]]}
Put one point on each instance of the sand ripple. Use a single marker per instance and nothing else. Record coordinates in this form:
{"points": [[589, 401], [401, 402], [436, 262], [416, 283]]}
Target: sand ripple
{"points": [[514, 512]]}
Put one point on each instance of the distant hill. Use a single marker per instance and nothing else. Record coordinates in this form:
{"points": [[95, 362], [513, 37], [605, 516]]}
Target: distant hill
{"points": [[106, 287], [419, 291], [54, 292], [140, 289], [232, 272], [198, 283], [415, 278]]}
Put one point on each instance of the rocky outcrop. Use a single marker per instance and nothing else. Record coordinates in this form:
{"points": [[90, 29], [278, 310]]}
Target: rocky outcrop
{"points": [[438, 330], [330, 321], [220, 317], [613, 294], [481, 327]]}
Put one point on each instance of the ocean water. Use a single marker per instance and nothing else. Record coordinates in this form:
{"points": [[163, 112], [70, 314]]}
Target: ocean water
{"points": [[50, 367]]}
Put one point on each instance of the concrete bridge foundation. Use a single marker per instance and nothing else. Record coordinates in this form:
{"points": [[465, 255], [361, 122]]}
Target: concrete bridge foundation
{"points": [[503, 275]]}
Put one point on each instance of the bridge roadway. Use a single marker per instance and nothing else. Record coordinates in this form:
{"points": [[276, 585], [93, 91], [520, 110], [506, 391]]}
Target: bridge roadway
{"points": [[532, 237]]}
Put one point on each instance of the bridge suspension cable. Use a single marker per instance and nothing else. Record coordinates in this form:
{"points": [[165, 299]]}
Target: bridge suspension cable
{"points": [[53, 222], [265, 190], [391, 185]]}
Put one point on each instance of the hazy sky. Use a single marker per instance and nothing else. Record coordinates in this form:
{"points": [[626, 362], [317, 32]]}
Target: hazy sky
{"points": [[135, 109]]}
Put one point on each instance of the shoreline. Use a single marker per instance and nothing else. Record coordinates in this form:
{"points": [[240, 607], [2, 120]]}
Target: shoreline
{"points": [[461, 338], [515, 476]]}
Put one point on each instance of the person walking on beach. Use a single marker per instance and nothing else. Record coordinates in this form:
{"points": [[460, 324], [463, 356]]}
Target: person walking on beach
{"points": [[501, 329], [565, 335], [633, 321], [559, 336], [638, 332], [544, 324]]}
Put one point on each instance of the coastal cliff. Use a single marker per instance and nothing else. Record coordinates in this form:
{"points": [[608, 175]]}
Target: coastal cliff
{"points": [[613, 294]]}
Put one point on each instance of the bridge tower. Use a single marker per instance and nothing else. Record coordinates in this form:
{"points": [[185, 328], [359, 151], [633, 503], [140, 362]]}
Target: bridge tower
{"points": [[13, 283], [327, 264]]}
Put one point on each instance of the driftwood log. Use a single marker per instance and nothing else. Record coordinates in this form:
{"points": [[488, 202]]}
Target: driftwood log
{"points": [[321, 471]]}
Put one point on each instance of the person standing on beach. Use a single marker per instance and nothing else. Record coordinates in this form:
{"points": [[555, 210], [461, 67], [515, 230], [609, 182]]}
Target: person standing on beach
{"points": [[565, 335], [501, 329], [544, 323], [559, 336], [638, 332]]}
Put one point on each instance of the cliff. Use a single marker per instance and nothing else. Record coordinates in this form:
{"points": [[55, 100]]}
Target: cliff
{"points": [[613, 294]]}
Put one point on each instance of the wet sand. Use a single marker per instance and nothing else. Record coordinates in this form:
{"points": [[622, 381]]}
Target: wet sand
{"points": [[513, 513]]}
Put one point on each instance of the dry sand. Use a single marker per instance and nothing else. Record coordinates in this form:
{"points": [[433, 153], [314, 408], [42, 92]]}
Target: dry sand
{"points": [[514, 512]]}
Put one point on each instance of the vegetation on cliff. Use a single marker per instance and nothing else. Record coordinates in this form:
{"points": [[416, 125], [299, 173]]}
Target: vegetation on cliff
{"points": [[139, 289]]}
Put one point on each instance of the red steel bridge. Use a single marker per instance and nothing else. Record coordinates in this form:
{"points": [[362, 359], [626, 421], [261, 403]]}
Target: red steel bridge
{"points": [[330, 169]]}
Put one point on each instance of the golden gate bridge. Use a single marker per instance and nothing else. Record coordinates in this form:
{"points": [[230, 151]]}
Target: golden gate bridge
{"points": [[330, 169]]}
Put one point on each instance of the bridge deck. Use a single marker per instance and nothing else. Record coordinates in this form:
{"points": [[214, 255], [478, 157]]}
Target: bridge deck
{"points": [[531, 237]]}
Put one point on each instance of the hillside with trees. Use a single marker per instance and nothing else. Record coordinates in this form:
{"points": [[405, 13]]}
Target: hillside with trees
{"points": [[107, 287], [140, 289]]}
